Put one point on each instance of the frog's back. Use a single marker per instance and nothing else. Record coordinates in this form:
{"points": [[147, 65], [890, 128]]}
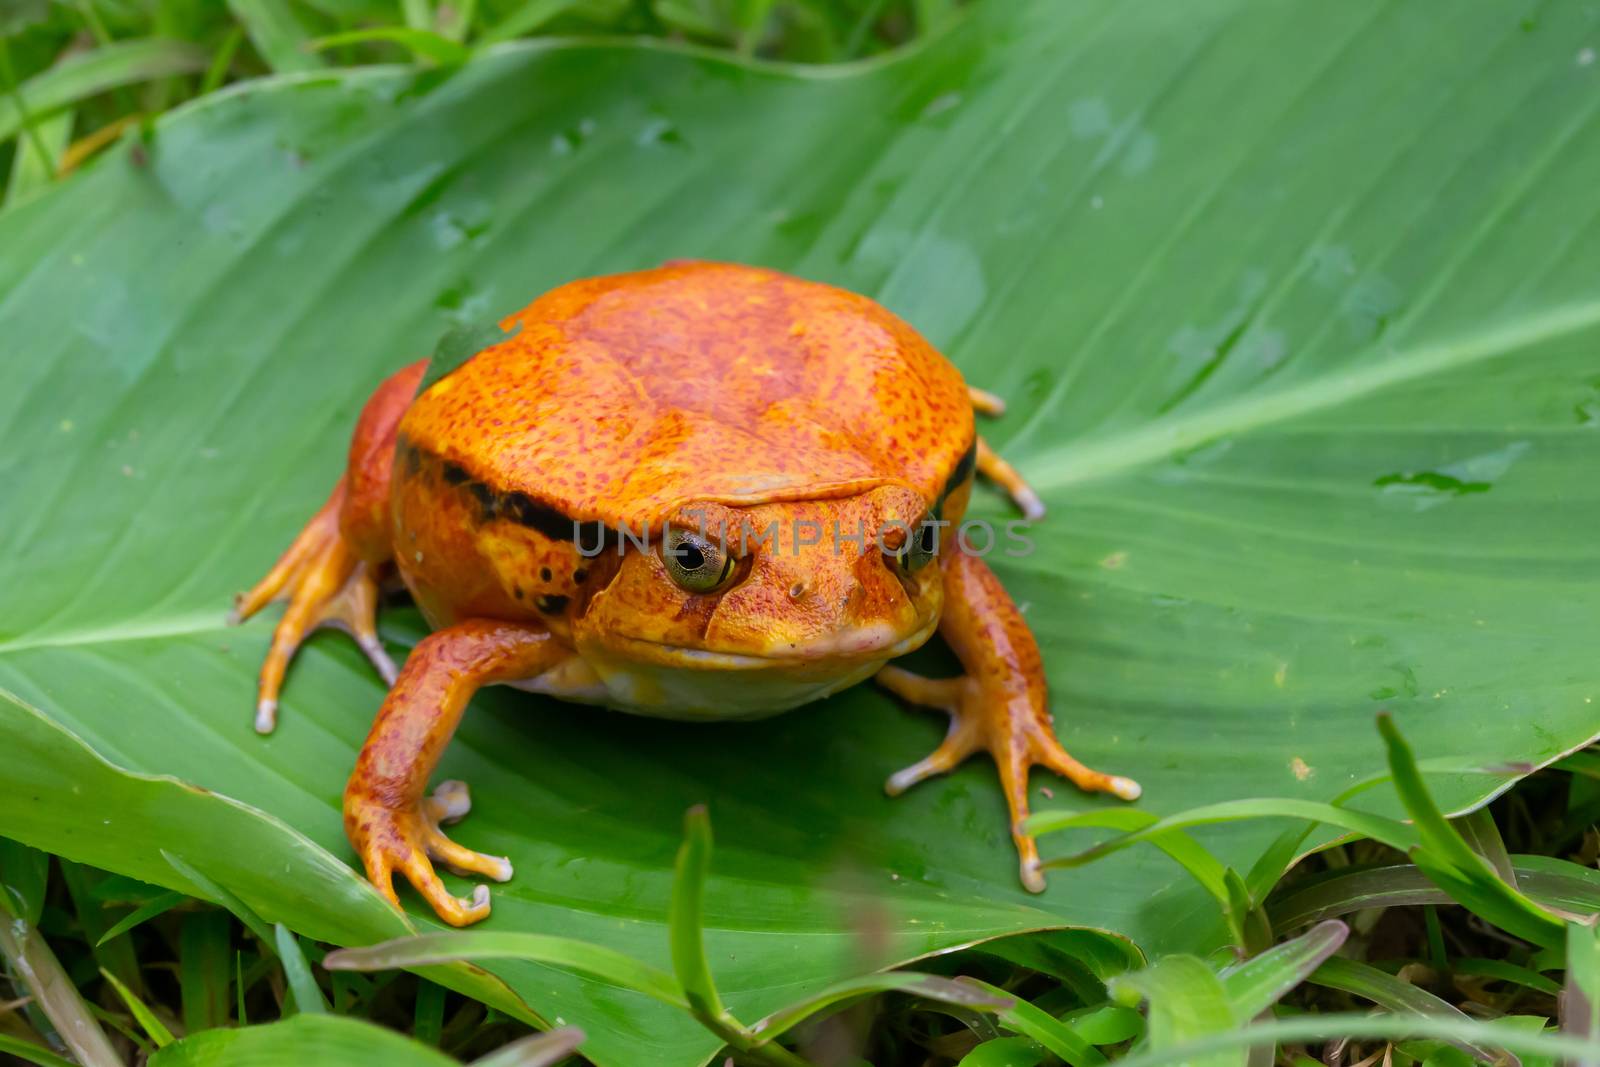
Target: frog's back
{"points": [[624, 395]]}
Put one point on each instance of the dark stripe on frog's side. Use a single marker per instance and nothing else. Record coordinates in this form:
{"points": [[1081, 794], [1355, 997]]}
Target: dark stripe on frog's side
{"points": [[514, 506], [407, 456], [964, 468]]}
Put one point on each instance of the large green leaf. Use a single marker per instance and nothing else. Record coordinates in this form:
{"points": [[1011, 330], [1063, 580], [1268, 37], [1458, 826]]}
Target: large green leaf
{"points": [[1294, 305]]}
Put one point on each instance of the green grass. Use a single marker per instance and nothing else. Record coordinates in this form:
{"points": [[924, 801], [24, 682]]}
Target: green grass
{"points": [[1467, 943], [77, 74]]}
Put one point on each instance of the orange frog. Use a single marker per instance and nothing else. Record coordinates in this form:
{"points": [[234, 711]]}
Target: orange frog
{"points": [[705, 491]]}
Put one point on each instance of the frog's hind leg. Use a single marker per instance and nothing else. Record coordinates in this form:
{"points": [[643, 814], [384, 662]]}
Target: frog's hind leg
{"points": [[1000, 704], [325, 585], [997, 470], [331, 574]]}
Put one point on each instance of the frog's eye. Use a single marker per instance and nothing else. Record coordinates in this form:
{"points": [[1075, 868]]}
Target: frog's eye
{"points": [[921, 545], [694, 562]]}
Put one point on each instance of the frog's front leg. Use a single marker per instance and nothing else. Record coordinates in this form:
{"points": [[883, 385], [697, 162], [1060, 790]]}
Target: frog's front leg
{"points": [[392, 825], [1000, 704]]}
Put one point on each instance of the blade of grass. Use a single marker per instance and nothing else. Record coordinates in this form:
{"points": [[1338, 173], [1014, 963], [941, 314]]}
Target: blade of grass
{"points": [[1559, 883], [689, 963], [297, 972], [1391, 832], [686, 938], [1031, 1021], [1105, 1024], [428, 1015], [928, 986], [301, 1041], [422, 44], [204, 952], [600, 962], [38, 157], [1387, 991], [24, 879], [141, 1013], [116, 956], [1445, 856], [27, 1050], [1257, 983], [537, 1050], [1006, 1052], [221, 60], [1553, 883], [1502, 1034], [1585, 762], [1580, 999], [241, 1017], [525, 19], [276, 34], [417, 13], [1486, 896], [1080, 959], [1502, 971], [1267, 871], [29, 959], [1482, 836], [29, 121], [221, 896], [1186, 1000], [159, 906], [1138, 826], [87, 73], [455, 20]]}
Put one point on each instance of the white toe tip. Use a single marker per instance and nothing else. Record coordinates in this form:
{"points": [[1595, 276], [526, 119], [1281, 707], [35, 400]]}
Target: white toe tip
{"points": [[480, 896], [1126, 788], [1032, 507], [266, 716], [504, 873], [899, 782], [454, 800], [1032, 876]]}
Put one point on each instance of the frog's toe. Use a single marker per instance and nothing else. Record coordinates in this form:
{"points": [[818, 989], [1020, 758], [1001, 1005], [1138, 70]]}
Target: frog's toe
{"points": [[1049, 753], [457, 911], [985, 402], [993, 467], [449, 802], [464, 861]]}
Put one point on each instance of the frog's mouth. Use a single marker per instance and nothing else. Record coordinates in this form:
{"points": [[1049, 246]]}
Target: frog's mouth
{"points": [[674, 681], [842, 653]]}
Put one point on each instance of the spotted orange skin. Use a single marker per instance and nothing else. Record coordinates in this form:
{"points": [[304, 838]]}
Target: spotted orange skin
{"points": [[733, 401], [621, 397]]}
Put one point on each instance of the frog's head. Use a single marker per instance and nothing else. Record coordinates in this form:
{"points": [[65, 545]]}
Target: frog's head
{"points": [[765, 607]]}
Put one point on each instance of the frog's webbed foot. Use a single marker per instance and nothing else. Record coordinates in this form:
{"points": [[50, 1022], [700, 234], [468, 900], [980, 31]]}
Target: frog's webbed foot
{"points": [[997, 470], [325, 585], [1011, 732], [402, 842]]}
